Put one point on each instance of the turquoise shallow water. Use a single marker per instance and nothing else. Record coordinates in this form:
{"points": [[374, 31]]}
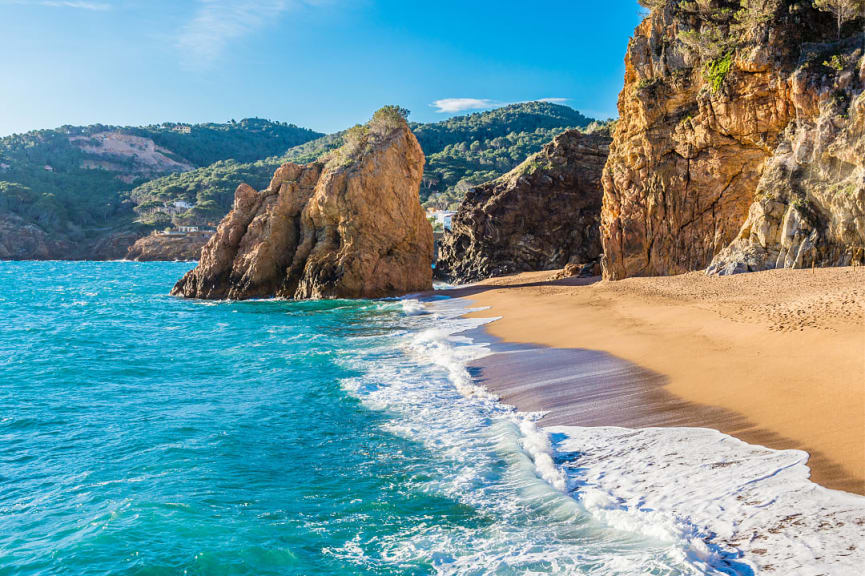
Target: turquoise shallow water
{"points": [[144, 434]]}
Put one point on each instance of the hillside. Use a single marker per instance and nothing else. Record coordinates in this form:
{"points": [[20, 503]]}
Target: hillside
{"points": [[460, 152], [210, 190], [89, 192], [70, 183]]}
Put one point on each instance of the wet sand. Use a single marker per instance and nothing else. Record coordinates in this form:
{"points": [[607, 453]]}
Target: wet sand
{"points": [[774, 358]]}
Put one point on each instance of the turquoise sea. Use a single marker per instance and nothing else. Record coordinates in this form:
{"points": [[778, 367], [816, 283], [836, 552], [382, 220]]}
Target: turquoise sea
{"points": [[145, 434]]}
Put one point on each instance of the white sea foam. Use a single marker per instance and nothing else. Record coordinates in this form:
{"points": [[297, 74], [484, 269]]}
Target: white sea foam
{"points": [[592, 500], [413, 307], [537, 445], [711, 486]]}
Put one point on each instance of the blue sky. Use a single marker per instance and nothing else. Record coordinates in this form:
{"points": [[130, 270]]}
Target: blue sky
{"points": [[323, 64]]}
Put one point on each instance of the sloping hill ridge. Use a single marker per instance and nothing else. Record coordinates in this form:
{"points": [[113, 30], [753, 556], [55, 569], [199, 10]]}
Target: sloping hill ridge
{"points": [[460, 153], [91, 192]]}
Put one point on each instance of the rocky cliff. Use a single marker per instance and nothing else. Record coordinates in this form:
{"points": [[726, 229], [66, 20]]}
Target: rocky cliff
{"points": [[350, 226], [168, 247], [739, 142], [542, 215], [22, 240]]}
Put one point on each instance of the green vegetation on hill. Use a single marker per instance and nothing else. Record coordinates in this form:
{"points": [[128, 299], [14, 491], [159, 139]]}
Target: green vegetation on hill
{"points": [[67, 180], [211, 189], [468, 150], [82, 182], [519, 118], [249, 140], [461, 152]]}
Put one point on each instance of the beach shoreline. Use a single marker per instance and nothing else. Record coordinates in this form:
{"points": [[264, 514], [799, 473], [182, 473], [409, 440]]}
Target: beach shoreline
{"points": [[775, 359]]}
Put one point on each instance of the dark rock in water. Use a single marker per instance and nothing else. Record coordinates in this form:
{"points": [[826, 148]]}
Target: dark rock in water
{"points": [[542, 215], [350, 226]]}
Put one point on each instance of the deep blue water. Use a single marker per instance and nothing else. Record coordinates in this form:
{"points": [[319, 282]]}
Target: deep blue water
{"points": [[145, 434]]}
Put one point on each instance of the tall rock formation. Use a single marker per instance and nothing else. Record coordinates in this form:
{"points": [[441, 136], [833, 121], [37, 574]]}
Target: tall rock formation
{"points": [[542, 215], [737, 141], [350, 226]]}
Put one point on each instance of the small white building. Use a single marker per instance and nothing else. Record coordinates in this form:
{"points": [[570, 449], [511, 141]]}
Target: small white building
{"points": [[182, 205], [188, 229], [443, 217]]}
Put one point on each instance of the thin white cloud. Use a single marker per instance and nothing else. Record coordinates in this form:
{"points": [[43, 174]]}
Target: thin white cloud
{"points": [[217, 23], [80, 5], [454, 105]]}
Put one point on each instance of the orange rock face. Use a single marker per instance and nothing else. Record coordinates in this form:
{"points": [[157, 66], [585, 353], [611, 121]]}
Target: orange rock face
{"points": [[693, 144], [347, 227]]}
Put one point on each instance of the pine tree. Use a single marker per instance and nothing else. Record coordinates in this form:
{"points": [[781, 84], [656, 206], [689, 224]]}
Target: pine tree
{"points": [[843, 10]]}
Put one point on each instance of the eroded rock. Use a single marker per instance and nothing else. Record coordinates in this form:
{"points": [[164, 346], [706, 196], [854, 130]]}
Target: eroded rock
{"points": [[543, 215], [809, 207], [350, 226]]}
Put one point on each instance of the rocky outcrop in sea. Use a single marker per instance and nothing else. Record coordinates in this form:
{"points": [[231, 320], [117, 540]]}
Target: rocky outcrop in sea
{"points": [[349, 226], [168, 247], [739, 144], [543, 215]]}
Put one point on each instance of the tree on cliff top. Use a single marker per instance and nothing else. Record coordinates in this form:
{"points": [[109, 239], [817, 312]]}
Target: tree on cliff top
{"points": [[359, 138], [843, 10], [389, 118]]}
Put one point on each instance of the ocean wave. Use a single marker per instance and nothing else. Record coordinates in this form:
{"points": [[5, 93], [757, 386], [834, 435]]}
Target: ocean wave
{"points": [[709, 486], [673, 500], [499, 462]]}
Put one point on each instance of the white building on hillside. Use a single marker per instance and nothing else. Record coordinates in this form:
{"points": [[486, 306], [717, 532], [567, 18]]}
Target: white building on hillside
{"points": [[443, 217]]}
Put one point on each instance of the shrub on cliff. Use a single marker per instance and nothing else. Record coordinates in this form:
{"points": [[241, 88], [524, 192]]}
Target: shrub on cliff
{"points": [[388, 118], [716, 70], [360, 138]]}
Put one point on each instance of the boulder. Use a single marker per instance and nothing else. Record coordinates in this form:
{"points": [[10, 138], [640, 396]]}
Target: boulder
{"points": [[543, 215]]}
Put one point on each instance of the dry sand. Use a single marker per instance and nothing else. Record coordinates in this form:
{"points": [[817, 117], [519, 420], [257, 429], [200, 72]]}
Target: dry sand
{"points": [[775, 358]]}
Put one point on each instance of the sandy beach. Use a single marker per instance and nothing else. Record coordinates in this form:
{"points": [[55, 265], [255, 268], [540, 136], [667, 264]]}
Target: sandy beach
{"points": [[774, 358]]}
